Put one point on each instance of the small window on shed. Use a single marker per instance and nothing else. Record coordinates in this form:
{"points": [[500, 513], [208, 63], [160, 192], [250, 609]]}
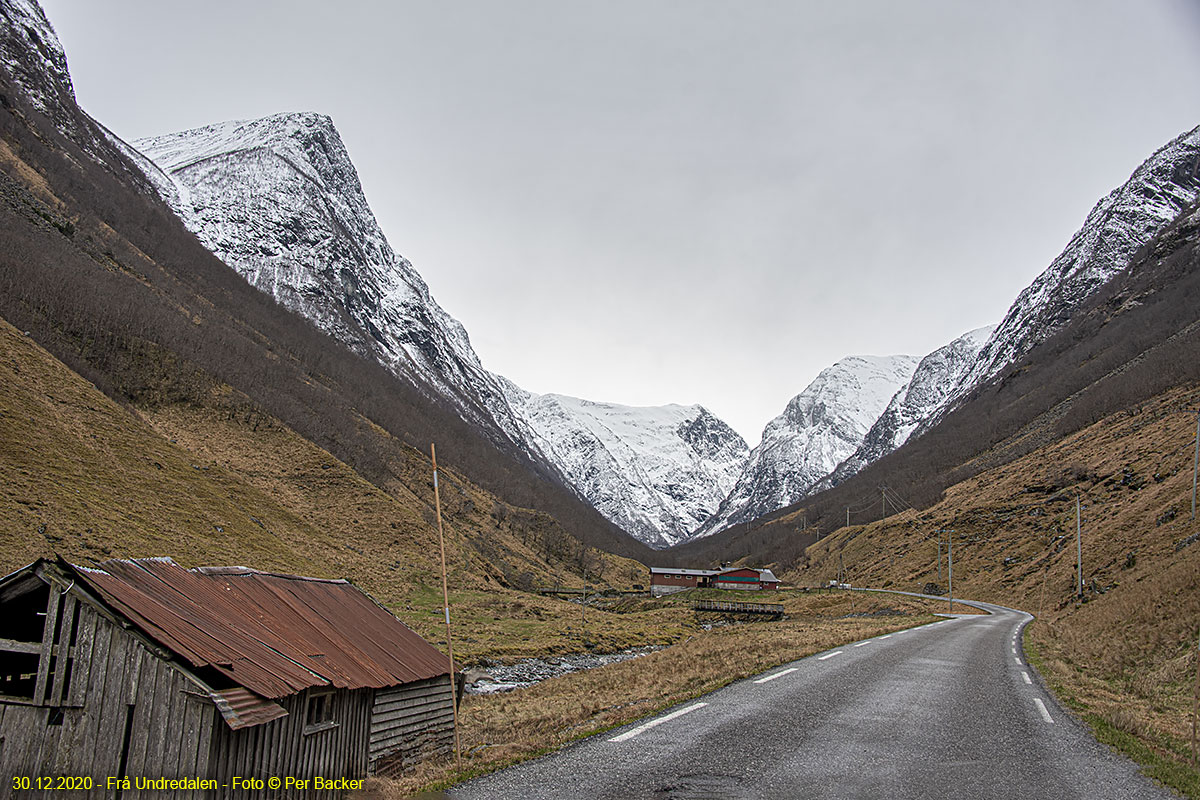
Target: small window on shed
{"points": [[318, 713]]}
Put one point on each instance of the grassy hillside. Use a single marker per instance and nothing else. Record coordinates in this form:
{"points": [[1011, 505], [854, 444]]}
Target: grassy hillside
{"points": [[1135, 338], [1125, 652], [101, 273], [221, 482]]}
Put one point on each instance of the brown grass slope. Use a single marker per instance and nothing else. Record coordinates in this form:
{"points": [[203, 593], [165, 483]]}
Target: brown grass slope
{"points": [[1125, 654], [1135, 338], [103, 275], [219, 482]]}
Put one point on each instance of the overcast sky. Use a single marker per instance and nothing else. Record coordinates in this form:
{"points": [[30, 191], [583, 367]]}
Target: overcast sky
{"points": [[692, 202]]}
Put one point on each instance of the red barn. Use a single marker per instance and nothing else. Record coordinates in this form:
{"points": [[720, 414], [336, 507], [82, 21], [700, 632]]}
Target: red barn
{"points": [[665, 580]]}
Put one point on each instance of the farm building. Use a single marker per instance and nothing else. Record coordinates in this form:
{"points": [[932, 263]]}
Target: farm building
{"points": [[144, 669], [665, 580]]}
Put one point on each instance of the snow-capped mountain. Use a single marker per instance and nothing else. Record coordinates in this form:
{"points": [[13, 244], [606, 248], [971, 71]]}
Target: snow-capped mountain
{"points": [[936, 375], [820, 428], [29, 47], [657, 472], [34, 57], [279, 200], [1120, 224]]}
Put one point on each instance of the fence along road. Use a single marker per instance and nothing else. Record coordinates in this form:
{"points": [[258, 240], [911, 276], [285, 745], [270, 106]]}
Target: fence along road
{"points": [[949, 709]]}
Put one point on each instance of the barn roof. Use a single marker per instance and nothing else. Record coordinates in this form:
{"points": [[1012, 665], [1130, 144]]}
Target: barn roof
{"points": [[676, 571], [273, 634]]}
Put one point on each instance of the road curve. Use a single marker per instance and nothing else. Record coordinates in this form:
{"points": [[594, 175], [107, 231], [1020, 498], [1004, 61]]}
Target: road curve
{"points": [[946, 710]]}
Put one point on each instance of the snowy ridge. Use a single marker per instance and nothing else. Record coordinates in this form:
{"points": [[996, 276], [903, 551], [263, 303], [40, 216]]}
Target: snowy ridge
{"points": [[936, 375], [820, 428], [32, 54], [657, 472], [279, 200], [30, 49], [1121, 223]]}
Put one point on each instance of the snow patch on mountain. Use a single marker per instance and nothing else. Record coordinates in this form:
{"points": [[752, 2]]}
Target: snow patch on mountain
{"points": [[1121, 223], [657, 472], [30, 48], [820, 428], [936, 375], [279, 200]]}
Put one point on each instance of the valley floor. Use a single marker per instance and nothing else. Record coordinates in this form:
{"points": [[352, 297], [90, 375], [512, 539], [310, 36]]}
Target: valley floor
{"points": [[500, 730], [1123, 655]]}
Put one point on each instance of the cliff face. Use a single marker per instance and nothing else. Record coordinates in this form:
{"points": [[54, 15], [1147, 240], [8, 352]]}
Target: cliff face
{"points": [[657, 472], [1116, 228], [936, 376], [819, 429], [279, 200]]}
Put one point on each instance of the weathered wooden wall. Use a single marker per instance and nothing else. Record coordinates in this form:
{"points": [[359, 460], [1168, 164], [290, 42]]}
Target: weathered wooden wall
{"points": [[282, 748], [115, 683], [410, 723]]}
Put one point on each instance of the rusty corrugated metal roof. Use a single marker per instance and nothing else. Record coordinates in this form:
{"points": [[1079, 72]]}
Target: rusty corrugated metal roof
{"points": [[242, 708], [270, 633]]}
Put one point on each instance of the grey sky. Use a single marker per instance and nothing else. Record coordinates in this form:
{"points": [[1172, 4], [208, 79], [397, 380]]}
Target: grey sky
{"points": [[693, 202]]}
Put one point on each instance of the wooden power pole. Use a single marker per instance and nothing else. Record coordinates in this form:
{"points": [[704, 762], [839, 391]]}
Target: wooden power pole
{"points": [[437, 501]]}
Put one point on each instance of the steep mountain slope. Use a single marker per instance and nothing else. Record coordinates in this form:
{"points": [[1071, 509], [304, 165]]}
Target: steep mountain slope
{"points": [[1128, 220], [656, 472], [938, 373], [1125, 652], [104, 275], [279, 200], [819, 429], [1121, 223], [1136, 337]]}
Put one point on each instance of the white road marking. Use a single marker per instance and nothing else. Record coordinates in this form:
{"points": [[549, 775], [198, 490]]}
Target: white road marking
{"points": [[777, 675], [1017, 660], [640, 729], [829, 655], [863, 644], [1042, 708], [1025, 675], [886, 636], [1014, 651]]}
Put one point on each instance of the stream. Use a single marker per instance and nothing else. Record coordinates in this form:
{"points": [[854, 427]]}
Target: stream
{"points": [[504, 678]]}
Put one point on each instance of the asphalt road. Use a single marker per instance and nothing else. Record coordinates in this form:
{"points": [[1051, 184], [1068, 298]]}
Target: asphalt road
{"points": [[947, 710]]}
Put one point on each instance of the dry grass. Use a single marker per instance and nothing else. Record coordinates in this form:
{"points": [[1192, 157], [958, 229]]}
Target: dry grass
{"points": [[1125, 654], [498, 730], [219, 484]]}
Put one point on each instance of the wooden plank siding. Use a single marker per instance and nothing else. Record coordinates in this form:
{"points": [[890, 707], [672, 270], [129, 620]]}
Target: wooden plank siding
{"points": [[287, 747], [108, 701], [112, 672], [409, 723]]}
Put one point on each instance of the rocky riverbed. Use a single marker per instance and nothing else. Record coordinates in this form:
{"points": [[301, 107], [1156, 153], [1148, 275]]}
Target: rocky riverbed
{"points": [[506, 677]]}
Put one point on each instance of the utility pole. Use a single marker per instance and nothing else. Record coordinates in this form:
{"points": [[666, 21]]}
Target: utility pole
{"points": [[847, 516], [949, 562], [950, 568], [437, 500], [1195, 465], [1196, 460], [1079, 549]]}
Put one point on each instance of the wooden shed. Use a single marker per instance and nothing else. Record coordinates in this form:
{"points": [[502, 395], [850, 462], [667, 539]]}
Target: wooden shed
{"points": [[146, 670]]}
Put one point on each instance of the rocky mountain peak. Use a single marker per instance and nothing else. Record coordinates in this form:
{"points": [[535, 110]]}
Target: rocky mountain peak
{"points": [[818, 429], [29, 47]]}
